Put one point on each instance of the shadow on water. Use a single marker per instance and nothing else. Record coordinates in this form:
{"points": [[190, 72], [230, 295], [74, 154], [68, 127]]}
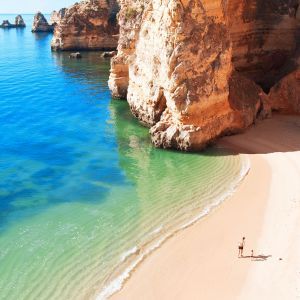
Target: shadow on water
{"points": [[20, 32], [91, 67], [41, 36], [137, 136], [158, 169]]}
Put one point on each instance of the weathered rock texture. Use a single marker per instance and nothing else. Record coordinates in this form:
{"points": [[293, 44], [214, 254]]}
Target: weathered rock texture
{"points": [[19, 23], [88, 25], [263, 35], [40, 24], [56, 16], [6, 24], [109, 54], [285, 95], [194, 70]]}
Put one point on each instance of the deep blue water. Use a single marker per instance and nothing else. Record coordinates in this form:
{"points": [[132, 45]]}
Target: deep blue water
{"points": [[53, 117]]}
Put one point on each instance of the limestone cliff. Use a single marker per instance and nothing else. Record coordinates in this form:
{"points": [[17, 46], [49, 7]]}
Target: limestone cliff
{"points": [[88, 25], [130, 19], [264, 37], [40, 24], [285, 95], [193, 70], [56, 16]]}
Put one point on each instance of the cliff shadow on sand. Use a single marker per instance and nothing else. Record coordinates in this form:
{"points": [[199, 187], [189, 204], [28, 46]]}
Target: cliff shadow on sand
{"points": [[279, 134]]}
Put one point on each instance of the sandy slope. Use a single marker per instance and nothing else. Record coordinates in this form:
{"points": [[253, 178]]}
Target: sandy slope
{"points": [[201, 262]]}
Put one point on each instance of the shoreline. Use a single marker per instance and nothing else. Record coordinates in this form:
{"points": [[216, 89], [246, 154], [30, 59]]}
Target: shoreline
{"points": [[201, 260], [142, 253]]}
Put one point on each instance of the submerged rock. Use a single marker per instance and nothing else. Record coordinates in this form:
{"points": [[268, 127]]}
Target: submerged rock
{"points": [[75, 55], [193, 71], [109, 54], [88, 25], [40, 24]]}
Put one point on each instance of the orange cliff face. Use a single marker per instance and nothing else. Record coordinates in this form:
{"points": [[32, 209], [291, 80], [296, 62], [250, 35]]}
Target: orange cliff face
{"points": [[87, 25], [193, 70]]}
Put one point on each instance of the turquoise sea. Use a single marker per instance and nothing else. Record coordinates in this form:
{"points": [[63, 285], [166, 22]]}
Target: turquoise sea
{"points": [[84, 196]]}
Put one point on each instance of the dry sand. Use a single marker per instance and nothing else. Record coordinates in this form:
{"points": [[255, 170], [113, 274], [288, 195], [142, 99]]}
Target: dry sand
{"points": [[201, 261]]}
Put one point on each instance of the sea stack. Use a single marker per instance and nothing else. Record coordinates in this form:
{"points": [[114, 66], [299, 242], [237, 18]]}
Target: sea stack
{"points": [[88, 25], [193, 71], [19, 22], [6, 24], [40, 24], [56, 16]]}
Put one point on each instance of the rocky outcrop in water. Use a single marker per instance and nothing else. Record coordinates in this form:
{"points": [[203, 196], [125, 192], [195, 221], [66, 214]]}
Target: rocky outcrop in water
{"points": [[196, 70], [40, 24], [56, 16], [88, 25], [76, 55], [109, 54], [6, 24], [19, 23]]}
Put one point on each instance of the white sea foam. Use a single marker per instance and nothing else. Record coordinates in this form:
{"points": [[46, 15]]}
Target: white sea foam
{"points": [[117, 284], [157, 230], [128, 253]]}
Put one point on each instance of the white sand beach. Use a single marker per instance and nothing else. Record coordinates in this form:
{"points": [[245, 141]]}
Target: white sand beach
{"points": [[201, 261]]}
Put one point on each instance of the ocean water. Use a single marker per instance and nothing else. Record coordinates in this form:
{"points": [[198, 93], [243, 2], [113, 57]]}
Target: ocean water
{"points": [[84, 196]]}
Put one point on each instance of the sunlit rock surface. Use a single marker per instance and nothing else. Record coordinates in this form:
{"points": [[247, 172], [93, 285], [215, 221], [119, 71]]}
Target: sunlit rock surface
{"points": [[87, 25], [196, 70], [40, 24], [56, 16], [19, 22]]}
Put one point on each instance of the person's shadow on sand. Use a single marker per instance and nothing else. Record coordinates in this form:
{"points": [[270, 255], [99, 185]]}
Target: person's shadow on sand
{"points": [[260, 257]]}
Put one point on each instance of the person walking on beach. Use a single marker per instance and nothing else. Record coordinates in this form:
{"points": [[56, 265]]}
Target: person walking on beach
{"points": [[241, 247]]}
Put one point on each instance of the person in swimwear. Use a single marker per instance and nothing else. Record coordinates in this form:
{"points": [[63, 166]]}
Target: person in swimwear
{"points": [[241, 247]]}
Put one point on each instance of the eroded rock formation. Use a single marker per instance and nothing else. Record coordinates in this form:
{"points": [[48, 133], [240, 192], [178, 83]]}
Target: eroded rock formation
{"points": [[40, 24], [285, 95], [19, 23], [56, 16], [88, 25], [6, 24], [193, 70], [263, 36]]}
